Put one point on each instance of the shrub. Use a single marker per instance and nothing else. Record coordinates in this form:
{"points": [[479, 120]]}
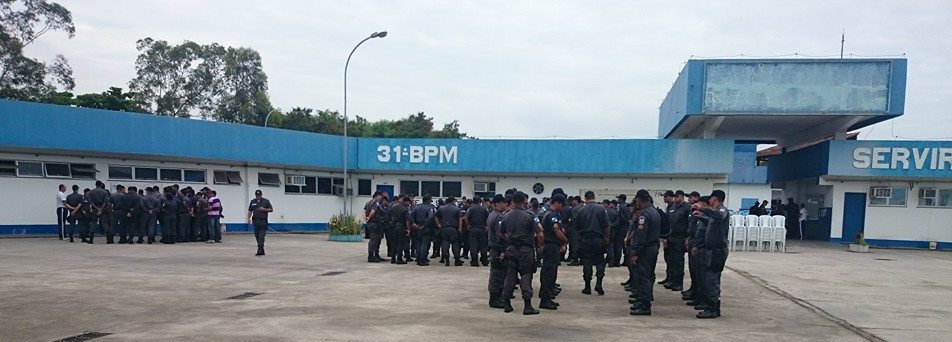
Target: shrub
{"points": [[345, 224]]}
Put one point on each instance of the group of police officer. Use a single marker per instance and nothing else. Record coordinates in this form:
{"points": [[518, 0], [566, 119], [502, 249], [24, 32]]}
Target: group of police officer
{"points": [[184, 214], [514, 236]]}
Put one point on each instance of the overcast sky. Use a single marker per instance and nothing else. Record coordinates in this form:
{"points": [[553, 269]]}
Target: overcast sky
{"points": [[581, 69]]}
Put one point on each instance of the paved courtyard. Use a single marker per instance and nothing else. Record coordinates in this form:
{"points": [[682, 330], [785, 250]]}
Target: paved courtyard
{"points": [[313, 289]]}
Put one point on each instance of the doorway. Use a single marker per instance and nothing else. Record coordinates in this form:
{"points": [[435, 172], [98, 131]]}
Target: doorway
{"points": [[854, 215]]}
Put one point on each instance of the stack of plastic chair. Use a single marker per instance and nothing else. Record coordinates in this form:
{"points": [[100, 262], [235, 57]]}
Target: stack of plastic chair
{"points": [[739, 225], [766, 233], [779, 234], [753, 233]]}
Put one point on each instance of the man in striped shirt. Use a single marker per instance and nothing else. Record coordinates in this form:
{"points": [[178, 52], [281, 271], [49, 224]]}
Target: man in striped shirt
{"points": [[214, 217]]}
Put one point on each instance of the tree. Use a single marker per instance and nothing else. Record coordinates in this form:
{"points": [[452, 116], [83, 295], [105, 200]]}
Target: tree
{"points": [[330, 122], [243, 87], [112, 99], [21, 23]]}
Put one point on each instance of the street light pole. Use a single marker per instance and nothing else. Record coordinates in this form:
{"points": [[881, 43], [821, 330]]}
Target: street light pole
{"points": [[380, 34], [268, 116]]}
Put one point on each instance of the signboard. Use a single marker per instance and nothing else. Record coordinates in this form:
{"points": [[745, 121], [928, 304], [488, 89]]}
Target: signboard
{"points": [[916, 159]]}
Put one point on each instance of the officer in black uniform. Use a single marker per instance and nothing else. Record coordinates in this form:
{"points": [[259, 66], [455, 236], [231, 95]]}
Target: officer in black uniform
{"points": [[151, 206], [475, 221], [554, 245], [72, 203], [497, 263], [678, 213], [87, 218], [613, 222], [572, 230], [592, 224], [115, 225], [448, 218], [712, 252], [400, 228], [619, 252], [688, 294], [523, 235], [424, 225], [644, 237], [258, 211], [200, 215], [374, 233], [128, 210], [380, 218], [665, 229], [170, 209]]}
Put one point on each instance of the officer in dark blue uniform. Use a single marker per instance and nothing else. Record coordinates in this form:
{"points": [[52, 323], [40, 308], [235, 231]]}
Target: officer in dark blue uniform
{"points": [[497, 263], [424, 224], [644, 237], [678, 213], [400, 229], [258, 211], [553, 247], [592, 224], [711, 250], [475, 222], [619, 252], [688, 294], [449, 219], [379, 223], [170, 208], [523, 235]]}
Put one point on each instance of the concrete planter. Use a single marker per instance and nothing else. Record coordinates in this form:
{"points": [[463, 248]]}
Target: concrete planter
{"points": [[346, 238], [857, 248]]}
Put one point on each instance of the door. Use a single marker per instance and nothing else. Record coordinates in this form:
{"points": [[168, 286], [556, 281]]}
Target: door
{"points": [[386, 188], [854, 215]]}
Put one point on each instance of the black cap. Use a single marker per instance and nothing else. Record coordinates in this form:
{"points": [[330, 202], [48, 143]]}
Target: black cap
{"points": [[679, 193], [704, 199], [719, 194], [641, 193], [589, 194], [558, 198], [695, 194], [622, 197], [257, 192], [558, 191], [498, 199], [669, 193], [605, 201]]}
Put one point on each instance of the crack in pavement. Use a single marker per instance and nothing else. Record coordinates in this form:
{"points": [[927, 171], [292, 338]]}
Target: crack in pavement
{"points": [[809, 306]]}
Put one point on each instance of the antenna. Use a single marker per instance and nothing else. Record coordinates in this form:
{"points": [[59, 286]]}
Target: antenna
{"points": [[842, 43]]}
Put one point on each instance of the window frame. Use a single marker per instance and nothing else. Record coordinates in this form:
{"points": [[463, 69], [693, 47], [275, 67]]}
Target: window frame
{"points": [[10, 167], [81, 174], [46, 170], [135, 173], [893, 190], [277, 179], [204, 176], [131, 172], [42, 169], [443, 188], [181, 175], [936, 198], [360, 187]]}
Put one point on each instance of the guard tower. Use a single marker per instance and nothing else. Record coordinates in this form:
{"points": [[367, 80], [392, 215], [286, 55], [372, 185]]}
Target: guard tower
{"points": [[784, 101]]}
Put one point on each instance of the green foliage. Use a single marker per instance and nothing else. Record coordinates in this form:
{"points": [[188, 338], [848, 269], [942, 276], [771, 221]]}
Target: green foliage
{"points": [[861, 239], [345, 224], [21, 23], [112, 99], [417, 125]]}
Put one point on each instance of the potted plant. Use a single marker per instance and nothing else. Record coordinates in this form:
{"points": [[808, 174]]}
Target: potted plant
{"points": [[860, 246], [345, 227]]}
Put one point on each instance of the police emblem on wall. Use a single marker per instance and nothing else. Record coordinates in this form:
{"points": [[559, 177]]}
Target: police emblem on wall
{"points": [[537, 188]]}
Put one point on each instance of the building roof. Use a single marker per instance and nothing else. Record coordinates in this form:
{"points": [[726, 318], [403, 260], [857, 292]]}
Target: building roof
{"points": [[777, 149]]}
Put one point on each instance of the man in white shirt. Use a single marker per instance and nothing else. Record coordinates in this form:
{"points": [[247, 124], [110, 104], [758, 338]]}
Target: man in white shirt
{"points": [[803, 218], [61, 211]]}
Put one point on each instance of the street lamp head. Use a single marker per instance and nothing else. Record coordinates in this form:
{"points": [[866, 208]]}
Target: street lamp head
{"points": [[380, 34]]}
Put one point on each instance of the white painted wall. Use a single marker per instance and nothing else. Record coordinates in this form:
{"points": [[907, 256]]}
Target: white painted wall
{"points": [[894, 223]]}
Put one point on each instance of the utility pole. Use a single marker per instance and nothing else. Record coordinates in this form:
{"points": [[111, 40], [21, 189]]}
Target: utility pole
{"points": [[842, 43]]}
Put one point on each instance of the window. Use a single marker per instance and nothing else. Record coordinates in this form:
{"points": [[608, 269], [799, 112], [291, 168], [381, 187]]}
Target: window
{"points": [[887, 196], [146, 173], [454, 189], [29, 169], [195, 176], [57, 170], [410, 188], [431, 188], [120, 172], [484, 189], [8, 168], [363, 187], [269, 179], [227, 177], [309, 187], [83, 171], [170, 175], [324, 186], [936, 198]]}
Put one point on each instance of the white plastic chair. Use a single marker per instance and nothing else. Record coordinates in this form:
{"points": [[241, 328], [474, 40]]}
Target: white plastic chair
{"points": [[739, 236], [753, 237], [778, 222], [780, 240], [766, 239]]}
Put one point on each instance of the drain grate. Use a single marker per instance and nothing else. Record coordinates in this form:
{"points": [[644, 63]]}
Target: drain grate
{"points": [[884, 259], [86, 336], [332, 273], [245, 295]]}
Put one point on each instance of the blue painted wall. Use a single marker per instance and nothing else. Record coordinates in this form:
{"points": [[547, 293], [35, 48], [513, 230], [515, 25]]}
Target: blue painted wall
{"points": [[807, 162], [647, 156], [746, 170], [785, 86], [883, 159], [43, 126]]}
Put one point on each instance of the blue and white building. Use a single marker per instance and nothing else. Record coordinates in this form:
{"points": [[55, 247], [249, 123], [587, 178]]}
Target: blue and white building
{"points": [[898, 193]]}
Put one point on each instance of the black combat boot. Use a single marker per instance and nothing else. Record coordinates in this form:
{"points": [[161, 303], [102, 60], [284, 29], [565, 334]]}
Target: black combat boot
{"points": [[588, 287], [140, 240], [497, 303], [109, 240], [548, 304], [664, 282], [400, 260], [598, 287], [151, 240], [627, 282], [445, 261], [642, 309], [458, 262], [485, 261], [70, 239], [703, 305], [260, 251], [574, 262], [507, 305], [122, 240], [529, 310], [713, 310], [371, 258], [474, 262]]}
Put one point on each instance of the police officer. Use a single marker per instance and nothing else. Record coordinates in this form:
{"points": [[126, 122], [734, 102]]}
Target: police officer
{"points": [[128, 209], [381, 223], [112, 216], [87, 218], [592, 224], [644, 237], [475, 222], [400, 223], [688, 294], [611, 208], [72, 203], [170, 209], [258, 211], [665, 230], [200, 216], [572, 230], [678, 213], [553, 247], [711, 251], [424, 223], [523, 235], [150, 211], [497, 263], [374, 234], [448, 218], [619, 252]]}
